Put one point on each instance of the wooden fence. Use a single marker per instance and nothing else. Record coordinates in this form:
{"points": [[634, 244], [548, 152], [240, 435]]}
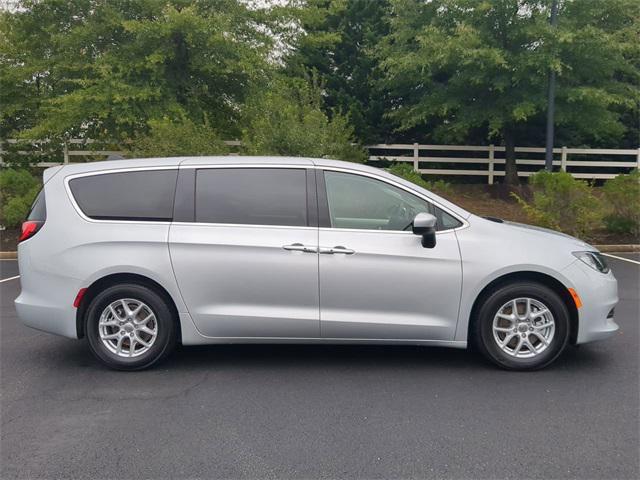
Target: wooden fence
{"points": [[589, 163], [440, 160]]}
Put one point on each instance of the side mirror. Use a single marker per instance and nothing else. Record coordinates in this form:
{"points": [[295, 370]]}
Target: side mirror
{"points": [[425, 224]]}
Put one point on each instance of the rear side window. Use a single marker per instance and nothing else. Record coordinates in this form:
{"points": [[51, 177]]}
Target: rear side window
{"points": [[141, 195], [252, 196], [38, 212]]}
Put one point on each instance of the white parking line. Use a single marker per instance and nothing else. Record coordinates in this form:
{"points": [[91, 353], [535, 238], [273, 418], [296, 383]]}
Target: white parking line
{"points": [[622, 258], [10, 278]]}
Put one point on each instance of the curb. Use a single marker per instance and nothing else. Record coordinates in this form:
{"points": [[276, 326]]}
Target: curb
{"points": [[618, 248], [602, 248]]}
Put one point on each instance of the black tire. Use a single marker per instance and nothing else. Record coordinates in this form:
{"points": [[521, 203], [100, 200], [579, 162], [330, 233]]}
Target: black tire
{"points": [[165, 322], [483, 326]]}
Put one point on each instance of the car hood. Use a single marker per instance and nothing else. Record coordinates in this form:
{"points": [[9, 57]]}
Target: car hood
{"points": [[546, 234]]}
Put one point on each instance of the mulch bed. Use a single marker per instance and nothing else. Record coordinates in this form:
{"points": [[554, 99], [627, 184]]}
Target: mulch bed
{"points": [[483, 200], [8, 240]]}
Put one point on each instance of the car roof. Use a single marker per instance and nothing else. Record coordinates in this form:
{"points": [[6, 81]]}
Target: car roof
{"points": [[247, 160]]}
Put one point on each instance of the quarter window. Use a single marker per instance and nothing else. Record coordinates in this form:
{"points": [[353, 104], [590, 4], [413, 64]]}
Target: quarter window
{"points": [[361, 202], [252, 196], [138, 195], [38, 210], [445, 221]]}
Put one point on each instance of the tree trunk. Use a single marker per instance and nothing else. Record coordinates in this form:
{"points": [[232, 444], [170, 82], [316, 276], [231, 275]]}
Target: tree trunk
{"points": [[510, 168]]}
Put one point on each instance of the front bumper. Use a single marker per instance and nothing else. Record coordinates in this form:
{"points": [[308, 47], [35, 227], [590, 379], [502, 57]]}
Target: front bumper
{"points": [[599, 295]]}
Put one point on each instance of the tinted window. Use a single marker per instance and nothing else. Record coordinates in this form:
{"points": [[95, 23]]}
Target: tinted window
{"points": [[445, 221], [144, 195], [38, 210], [360, 202], [252, 196]]}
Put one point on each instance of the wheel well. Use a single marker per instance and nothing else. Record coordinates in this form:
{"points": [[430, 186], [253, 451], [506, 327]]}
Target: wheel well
{"points": [[114, 279], [537, 277]]}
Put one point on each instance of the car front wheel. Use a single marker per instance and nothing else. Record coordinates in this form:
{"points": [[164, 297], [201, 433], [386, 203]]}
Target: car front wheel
{"points": [[522, 326]]}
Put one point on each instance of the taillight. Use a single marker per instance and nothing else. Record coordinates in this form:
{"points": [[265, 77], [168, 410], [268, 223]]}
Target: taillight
{"points": [[29, 229]]}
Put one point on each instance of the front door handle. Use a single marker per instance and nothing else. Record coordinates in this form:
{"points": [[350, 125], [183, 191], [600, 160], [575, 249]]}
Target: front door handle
{"points": [[337, 249], [298, 247]]}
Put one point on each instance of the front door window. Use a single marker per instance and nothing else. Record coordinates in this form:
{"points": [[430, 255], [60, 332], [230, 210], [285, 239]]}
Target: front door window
{"points": [[360, 202]]}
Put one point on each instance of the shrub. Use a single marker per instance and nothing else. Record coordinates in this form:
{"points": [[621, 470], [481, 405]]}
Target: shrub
{"points": [[167, 138], [622, 196], [407, 172], [563, 203], [287, 119], [15, 211], [18, 189]]}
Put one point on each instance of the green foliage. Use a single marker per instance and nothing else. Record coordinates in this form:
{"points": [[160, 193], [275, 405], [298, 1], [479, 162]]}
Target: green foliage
{"points": [[396, 70], [15, 182], [338, 45], [562, 203], [18, 189], [168, 138], [15, 211], [456, 66], [407, 172], [286, 119], [102, 69], [622, 198]]}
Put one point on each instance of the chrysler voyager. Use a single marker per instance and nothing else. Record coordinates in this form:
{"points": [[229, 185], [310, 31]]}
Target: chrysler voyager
{"points": [[139, 255]]}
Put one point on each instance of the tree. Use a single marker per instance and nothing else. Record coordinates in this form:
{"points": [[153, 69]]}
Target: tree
{"points": [[337, 44], [287, 119], [457, 65], [103, 69], [168, 138]]}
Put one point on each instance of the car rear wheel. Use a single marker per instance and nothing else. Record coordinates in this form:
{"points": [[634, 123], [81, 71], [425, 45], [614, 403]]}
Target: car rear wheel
{"points": [[522, 326], [130, 327]]}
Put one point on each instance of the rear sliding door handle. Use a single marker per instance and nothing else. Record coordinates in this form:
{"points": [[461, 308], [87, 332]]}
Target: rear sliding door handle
{"points": [[337, 249], [298, 247]]}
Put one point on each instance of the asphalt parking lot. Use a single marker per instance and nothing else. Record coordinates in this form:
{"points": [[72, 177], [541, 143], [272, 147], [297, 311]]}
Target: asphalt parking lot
{"points": [[319, 411]]}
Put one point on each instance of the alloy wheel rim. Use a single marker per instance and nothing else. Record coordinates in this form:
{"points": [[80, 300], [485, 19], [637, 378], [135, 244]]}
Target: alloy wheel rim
{"points": [[523, 327], [128, 327]]}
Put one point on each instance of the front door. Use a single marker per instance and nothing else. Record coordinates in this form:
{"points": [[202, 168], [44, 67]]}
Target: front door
{"points": [[247, 263], [376, 279]]}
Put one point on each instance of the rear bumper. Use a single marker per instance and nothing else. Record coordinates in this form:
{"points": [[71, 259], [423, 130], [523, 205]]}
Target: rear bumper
{"points": [[599, 295], [46, 298], [46, 317]]}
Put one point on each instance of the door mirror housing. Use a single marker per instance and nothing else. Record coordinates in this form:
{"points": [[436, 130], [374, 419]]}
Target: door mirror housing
{"points": [[424, 224]]}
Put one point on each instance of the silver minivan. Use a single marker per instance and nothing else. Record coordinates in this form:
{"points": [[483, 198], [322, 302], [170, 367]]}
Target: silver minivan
{"points": [[138, 255]]}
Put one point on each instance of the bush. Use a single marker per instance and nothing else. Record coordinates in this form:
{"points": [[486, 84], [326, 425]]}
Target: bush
{"points": [[287, 119], [407, 172], [563, 203], [18, 189], [169, 138], [622, 197]]}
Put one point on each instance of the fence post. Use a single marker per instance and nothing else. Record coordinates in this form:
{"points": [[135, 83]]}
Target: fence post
{"points": [[563, 160], [638, 166], [416, 154], [65, 152], [491, 159]]}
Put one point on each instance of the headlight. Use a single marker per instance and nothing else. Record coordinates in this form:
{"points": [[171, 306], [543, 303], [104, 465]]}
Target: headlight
{"points": [[594, 259]]}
